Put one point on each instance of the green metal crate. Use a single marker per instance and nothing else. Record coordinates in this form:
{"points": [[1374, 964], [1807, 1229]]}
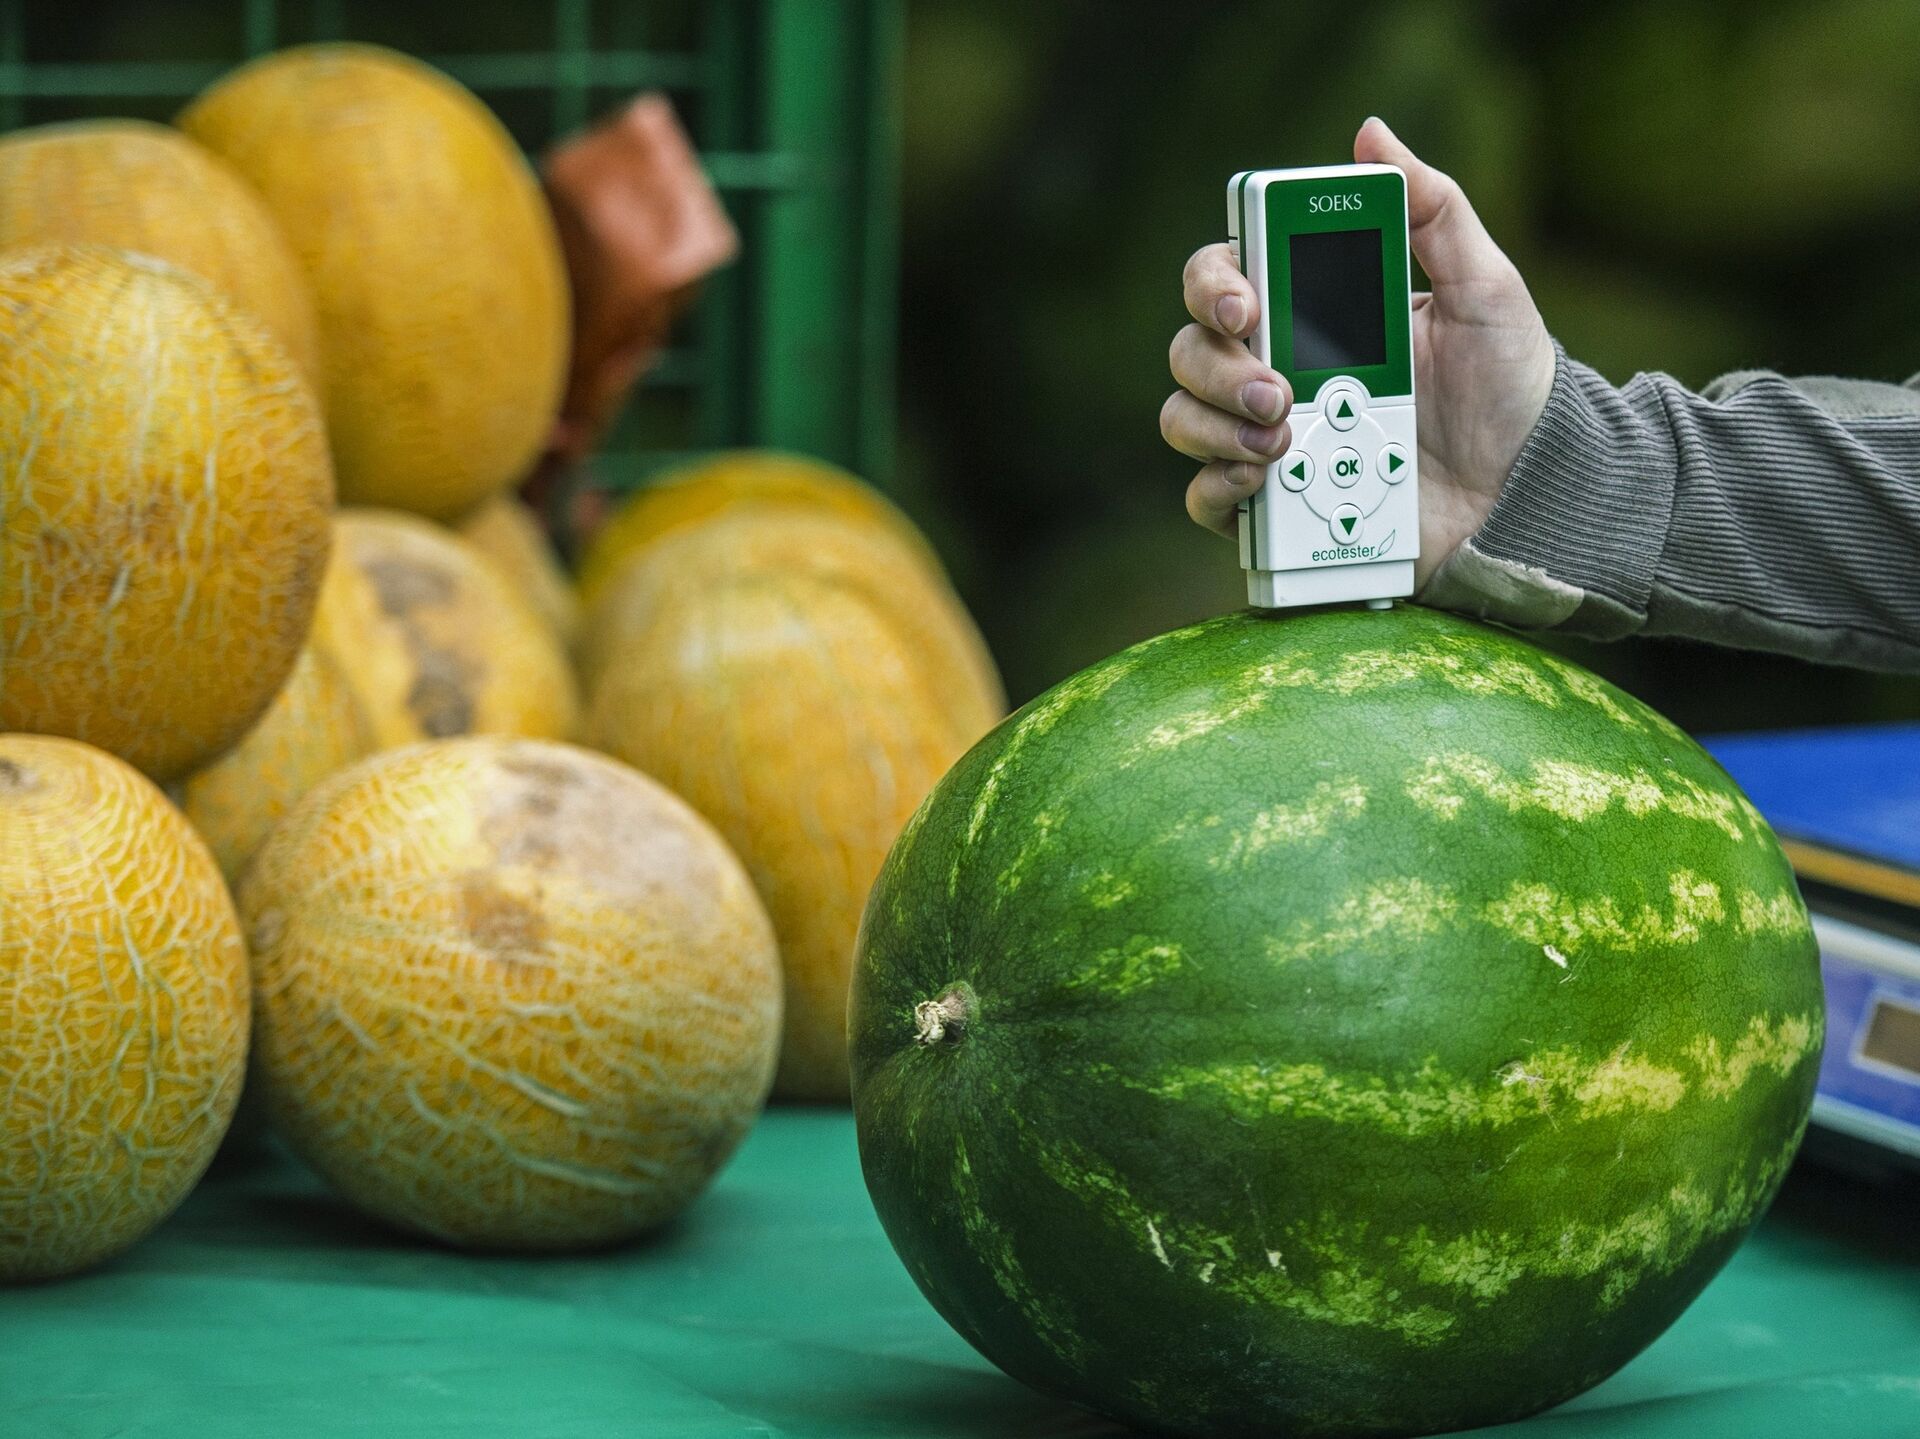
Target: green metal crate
{"points": [[793, 104]]}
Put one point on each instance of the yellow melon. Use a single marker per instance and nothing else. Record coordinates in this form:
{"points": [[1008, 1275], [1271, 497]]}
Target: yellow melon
{"points": [[442, 296], [727, 483], [433, 638], [802, 683], [123, 1006], [164, 503], [510, 993], [507, 532], [314, 726], [139, 186]]}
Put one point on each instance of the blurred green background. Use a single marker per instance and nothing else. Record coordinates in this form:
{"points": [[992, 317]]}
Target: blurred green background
{"points": [[1691, 188]]}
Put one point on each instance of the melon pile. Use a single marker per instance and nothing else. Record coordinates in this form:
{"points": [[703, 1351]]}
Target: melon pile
{"points": [[281, 770], [282, 650]]}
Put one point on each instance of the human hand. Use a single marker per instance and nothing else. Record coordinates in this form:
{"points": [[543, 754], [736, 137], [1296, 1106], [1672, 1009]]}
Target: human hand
{"points": [[1483, 365]]}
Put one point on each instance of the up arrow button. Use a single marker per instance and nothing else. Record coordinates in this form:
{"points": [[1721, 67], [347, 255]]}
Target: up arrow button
{"points": [[1343, 403]]}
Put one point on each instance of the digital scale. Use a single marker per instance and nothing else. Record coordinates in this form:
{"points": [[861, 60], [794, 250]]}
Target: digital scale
{"points": [[1326, 252], [1846, 805]]}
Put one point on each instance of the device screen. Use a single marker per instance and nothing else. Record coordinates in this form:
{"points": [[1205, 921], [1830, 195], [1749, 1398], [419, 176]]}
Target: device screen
{"points": [[1339, 308], [1893, 1037]]}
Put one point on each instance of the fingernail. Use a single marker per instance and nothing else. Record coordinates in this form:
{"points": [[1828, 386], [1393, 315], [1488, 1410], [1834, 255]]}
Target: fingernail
{"points": [[1264, 398], [1231, 312], [1261, 439], [1241, 476]]}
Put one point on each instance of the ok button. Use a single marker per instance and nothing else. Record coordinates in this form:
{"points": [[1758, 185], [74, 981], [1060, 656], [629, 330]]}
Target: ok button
{"points": [[1344, 467]]}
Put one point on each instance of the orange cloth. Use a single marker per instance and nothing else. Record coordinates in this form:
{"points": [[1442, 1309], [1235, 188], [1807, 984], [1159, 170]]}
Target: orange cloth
{"points": [[640, 227]]}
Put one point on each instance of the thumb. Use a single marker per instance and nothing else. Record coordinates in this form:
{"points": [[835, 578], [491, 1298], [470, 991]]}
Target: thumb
{"points": [[1448, 239]]}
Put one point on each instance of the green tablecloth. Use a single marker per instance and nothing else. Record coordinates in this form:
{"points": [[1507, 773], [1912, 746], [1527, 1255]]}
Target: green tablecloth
{"points": [[268, 1310]]}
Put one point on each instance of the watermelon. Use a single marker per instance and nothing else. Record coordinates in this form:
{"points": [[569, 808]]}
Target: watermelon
{"points": [[1334, 1024]]}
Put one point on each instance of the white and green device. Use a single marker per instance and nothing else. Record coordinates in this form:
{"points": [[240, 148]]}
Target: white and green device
{"points": [[1338, 518]]}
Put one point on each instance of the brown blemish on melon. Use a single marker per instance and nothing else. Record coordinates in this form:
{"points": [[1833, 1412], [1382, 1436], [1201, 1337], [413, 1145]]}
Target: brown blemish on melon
{"points": [[563, 815], [114, 540], [404, 586], [541, 772], [442, 696], [507, 927]]}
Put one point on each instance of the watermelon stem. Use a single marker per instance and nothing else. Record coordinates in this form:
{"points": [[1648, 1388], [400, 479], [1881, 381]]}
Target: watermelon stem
{"points": [[944, 1020]]}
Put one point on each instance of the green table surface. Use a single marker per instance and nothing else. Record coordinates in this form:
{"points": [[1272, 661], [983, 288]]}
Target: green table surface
{"points": [[268, 1309]]}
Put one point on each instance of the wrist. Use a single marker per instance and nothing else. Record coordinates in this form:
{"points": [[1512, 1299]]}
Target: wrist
{"points": [[1579, 521]]}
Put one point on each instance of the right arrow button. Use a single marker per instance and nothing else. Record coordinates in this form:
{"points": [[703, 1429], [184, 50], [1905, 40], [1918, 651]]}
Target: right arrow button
{"points": [[1392, 464]]}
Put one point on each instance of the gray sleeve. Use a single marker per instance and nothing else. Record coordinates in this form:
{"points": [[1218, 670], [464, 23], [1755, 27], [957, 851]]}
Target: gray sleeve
{"points": [[1763, 513]]}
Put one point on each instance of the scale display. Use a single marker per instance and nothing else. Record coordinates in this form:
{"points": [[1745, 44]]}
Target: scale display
{"points": [[1892, 1038], [1870, 1070]]}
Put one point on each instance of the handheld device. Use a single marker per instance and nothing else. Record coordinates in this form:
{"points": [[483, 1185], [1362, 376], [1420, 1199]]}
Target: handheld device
{"points": [[1326, 250]]}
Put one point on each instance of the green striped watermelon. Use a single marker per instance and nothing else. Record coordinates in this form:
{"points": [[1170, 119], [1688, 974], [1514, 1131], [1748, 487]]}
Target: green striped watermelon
{"points": [[1344, 1023]]}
